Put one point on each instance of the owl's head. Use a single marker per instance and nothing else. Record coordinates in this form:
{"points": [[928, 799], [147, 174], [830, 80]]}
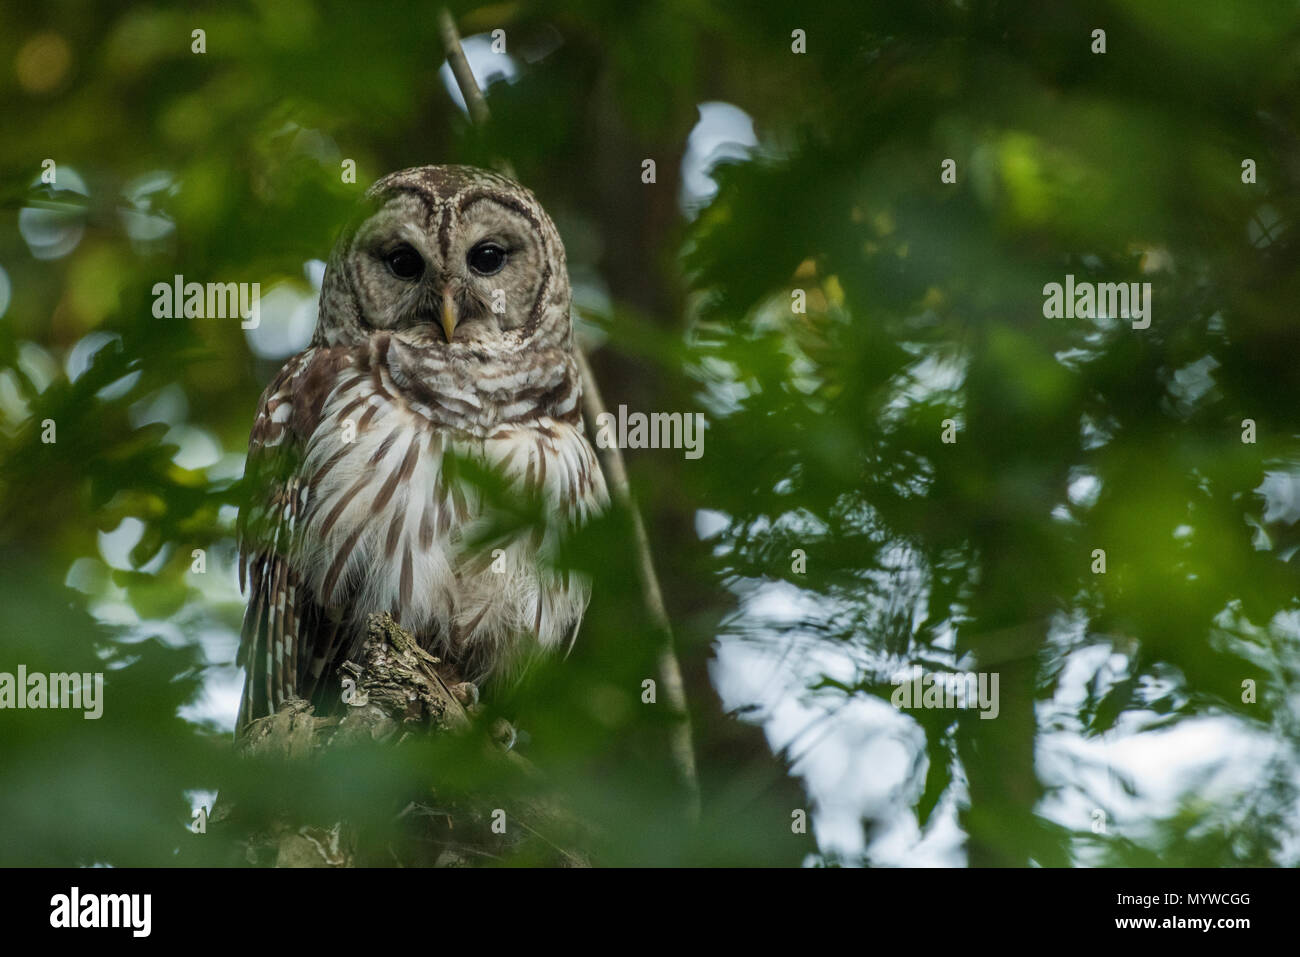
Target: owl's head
{"points": [[448, 257]]}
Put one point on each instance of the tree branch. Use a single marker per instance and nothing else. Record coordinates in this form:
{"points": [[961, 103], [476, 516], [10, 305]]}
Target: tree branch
{"points": [[401, 691]]}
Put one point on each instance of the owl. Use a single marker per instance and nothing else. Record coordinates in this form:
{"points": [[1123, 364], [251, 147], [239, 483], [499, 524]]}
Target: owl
{"points": [[443, 345]]}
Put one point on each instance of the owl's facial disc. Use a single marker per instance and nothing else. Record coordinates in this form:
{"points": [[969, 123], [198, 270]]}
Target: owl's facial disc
{"points": [[449, 258], [452, 276]]}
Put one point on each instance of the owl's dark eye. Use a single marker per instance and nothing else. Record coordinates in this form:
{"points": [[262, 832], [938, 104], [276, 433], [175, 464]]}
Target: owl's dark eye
{"points": [[404, 262], [486, 258]]}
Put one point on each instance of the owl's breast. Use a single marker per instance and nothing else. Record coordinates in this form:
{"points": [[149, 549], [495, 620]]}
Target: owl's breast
{"points": [[390, 523]]}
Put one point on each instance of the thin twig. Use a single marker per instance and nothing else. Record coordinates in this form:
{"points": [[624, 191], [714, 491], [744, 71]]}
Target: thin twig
{"points": [[670, 671], [593, 407], [474, 101]]}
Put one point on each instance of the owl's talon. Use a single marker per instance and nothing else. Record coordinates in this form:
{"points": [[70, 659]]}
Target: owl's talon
{"points": [[504, 734], [466, 693]]}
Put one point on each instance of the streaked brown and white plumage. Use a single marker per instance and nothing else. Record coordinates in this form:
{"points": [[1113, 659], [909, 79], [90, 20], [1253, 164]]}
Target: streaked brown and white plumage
{"points": [[358, 508]]}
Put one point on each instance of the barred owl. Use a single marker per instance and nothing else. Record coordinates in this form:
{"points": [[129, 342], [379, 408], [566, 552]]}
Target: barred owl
{"points": [[443, 337]]}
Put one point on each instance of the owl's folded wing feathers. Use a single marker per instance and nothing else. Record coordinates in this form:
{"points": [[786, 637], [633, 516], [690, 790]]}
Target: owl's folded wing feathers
{"points": [[281, 618]]}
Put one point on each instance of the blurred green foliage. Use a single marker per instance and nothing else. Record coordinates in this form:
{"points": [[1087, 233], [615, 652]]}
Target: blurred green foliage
{"points": [[924, 304]]}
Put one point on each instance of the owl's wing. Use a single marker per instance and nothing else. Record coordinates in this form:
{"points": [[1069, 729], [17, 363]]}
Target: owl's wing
{"points": [[282, 617], [579, 492]]}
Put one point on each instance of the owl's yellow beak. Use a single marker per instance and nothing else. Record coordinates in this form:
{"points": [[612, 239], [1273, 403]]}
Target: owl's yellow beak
{"points": [[449, 316]]}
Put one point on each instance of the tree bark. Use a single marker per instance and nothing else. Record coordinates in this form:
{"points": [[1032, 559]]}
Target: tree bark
{"points": [[400, 691]]}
